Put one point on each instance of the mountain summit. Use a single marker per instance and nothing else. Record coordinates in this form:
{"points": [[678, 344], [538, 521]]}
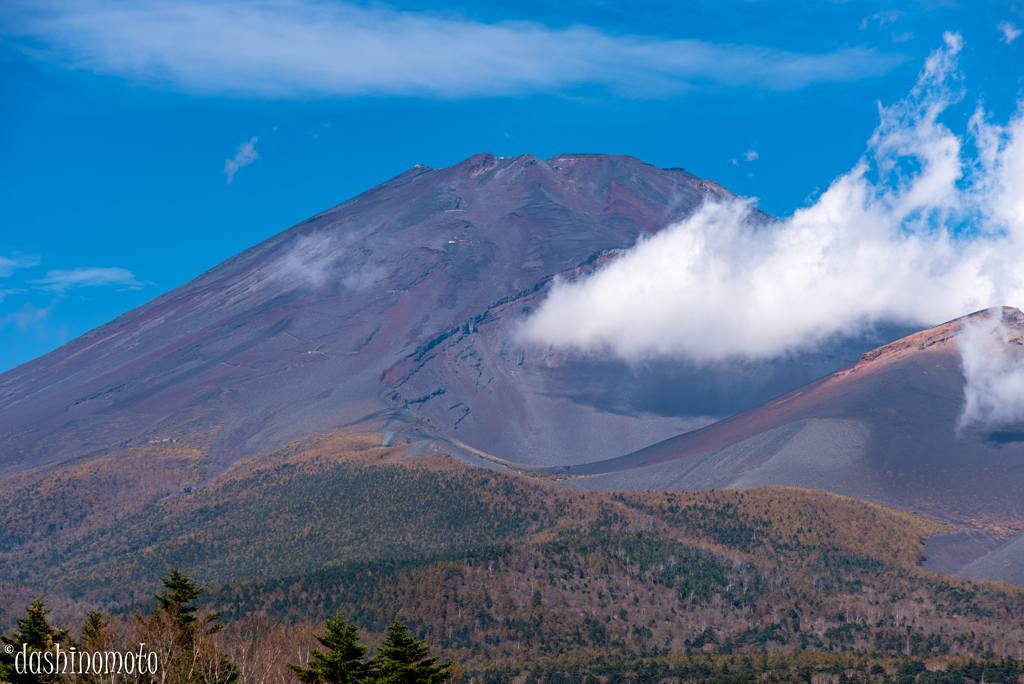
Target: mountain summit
{"points": [[397, 305], [399, 298]]}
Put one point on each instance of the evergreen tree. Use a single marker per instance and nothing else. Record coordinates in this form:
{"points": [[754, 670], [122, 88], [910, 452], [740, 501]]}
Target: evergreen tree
{"points": [[342, 663], [95, 637], [176, 601], [405, 660], [187, 651], [38, 636], [94, 631]]}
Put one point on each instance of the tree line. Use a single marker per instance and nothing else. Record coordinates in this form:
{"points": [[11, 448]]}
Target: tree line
{"points": [[176, 646]]}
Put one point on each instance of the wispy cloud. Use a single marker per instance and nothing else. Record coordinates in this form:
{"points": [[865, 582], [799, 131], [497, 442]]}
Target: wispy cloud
{"points": [[28, 316], [1010, 32], [750, 155], [322, 260], [302, 48], [246, 155], [9, 264], [14, 290], [62, 281], [883, 18], [914, 233]]}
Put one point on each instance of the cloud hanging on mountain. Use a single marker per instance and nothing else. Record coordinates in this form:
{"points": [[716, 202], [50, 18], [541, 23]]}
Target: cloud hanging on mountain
{"points": [[316, 261], [993, 363], [301, 48], [915, 233]]}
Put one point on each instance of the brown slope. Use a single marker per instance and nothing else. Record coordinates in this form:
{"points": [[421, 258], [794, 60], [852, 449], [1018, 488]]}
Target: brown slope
{"points": [[883, 428]]}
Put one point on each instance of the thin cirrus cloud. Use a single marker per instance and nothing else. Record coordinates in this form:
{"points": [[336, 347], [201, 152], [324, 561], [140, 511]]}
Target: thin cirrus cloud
{"points": [[883, 18], [60, 281], [28, 316], [4, 294], [300, 48], [17, 260]]}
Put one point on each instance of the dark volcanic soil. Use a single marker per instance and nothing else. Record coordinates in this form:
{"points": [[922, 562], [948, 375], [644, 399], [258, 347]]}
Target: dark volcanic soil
{"points": [[883, 428]]}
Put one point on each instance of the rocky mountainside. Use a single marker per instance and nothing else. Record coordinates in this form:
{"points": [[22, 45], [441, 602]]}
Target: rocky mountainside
{"points": [[397, 305], [885, 428]]}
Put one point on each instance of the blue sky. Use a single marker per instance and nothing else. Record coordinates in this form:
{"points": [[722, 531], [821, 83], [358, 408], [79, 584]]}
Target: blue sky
{"points": [[123, 123]]}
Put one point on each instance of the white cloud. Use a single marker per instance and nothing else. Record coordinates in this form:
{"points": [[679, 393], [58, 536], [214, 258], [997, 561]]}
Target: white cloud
{"points": [[8, 265], [29, 315], [302, 48], [311, 260], [751, 155], [61, 281], [246, 155], [993, 363], [15, 290], [1010, 32], [913, 234], [883, 18], [316, 261]]}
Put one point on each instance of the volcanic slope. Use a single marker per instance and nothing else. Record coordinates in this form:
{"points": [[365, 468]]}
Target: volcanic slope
{"points": [[884, 428], [396, 305]]}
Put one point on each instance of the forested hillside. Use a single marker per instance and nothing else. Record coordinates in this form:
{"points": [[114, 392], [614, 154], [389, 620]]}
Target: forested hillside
{"points": [[503, 573]]}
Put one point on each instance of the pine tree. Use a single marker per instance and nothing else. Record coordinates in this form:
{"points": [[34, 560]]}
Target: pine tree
{"points": [[94, 631], [176, 601], [95, 637], [405, 660], [342, 663], [187, 651], [38, 636]]}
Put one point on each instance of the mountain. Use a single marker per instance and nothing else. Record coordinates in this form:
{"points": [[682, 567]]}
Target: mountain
{"points": [[283, 428], [396, 306], [884, 428]]}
